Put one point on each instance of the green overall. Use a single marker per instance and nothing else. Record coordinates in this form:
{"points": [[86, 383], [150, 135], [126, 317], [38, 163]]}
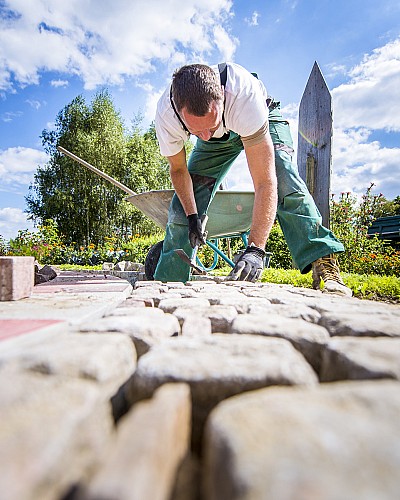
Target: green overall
{"points": [[297, 213]]}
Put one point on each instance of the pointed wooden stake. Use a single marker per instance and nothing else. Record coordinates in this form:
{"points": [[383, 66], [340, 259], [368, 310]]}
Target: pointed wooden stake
{"points": [[314, 143]]}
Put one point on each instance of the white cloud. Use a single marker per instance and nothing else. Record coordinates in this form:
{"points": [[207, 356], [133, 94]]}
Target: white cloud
{"points": [[9, 116], [370, 101], [12, 220], [17, 165], [59, 83], [253, 21], [34, 104], [357, 163], [372, 97], [100, 48], [226, 43], [151, 105]]}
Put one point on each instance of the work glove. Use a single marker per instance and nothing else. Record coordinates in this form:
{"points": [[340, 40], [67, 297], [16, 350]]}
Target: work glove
{"points": [[250, 265], [196, 236]]}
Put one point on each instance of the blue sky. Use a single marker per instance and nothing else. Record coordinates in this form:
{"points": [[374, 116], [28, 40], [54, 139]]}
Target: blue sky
{"points": [[53, 50]]}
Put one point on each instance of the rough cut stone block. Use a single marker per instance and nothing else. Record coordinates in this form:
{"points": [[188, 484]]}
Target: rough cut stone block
{"points": [[335, 441], [214, 295], [152, 440], [361, 358], [109, 359], [221, 317], [299, 311], [196, 326], [53, 431], [145, 329], [362, 324], [126, 309], [148, 284], [217, 367], [243, 304], [131, 308], [169, 305], [308, 338], [17, 277]]}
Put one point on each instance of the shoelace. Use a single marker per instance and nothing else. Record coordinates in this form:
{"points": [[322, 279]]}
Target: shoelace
{"points": [[329, 269]]}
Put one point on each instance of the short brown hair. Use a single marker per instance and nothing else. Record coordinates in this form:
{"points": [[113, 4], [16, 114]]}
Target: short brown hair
{"points": [[195, 87]]}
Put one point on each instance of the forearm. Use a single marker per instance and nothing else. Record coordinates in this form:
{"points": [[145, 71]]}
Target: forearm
{"points": [[264, 212], [182, 182], [261, 160]]}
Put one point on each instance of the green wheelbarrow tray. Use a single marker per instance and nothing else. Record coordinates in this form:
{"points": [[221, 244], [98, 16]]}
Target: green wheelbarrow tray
{"points": [[230, 212]]}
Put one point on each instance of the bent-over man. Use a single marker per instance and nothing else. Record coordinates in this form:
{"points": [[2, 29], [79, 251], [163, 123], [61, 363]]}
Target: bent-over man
{"points": [[228, 109]]}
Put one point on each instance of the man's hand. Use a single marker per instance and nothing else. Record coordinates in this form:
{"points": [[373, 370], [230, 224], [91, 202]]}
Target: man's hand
{"points": [[196, 235], [250, 265]]}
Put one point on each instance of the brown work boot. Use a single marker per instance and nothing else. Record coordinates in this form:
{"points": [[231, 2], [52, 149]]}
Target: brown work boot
{"points": [[327, 269]]}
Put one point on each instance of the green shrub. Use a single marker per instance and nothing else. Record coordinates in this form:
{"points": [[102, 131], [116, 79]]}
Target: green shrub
{"points": [[47, 247], [3, 246], [363, 286], [37, 244], [136, 250], [277, 245], [350, 222]]}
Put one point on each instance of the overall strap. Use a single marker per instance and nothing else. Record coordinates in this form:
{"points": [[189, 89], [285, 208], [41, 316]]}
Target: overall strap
{"points": [[223, 75], [176, 112]]}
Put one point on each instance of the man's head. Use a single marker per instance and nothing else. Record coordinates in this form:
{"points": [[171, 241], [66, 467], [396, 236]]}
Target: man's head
{"points": [[199, 99], [195, 87]]}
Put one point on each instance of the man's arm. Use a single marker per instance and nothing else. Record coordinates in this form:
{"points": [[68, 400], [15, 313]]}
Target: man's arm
{"points": [[261, 161], [182, 181]]}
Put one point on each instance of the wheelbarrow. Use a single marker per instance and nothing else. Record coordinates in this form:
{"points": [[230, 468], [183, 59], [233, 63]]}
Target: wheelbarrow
{"points": [[229, 216]]}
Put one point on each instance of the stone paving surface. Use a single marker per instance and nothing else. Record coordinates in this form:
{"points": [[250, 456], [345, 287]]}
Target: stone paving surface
{"points": [[207, 390]]}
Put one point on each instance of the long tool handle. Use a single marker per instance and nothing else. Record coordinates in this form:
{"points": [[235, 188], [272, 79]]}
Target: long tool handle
{"points": [[96, 170]]}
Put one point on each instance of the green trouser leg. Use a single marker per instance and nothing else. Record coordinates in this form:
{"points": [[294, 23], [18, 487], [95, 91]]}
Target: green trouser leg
{"points": [[208, 164], [297, 213], [299, 217]]}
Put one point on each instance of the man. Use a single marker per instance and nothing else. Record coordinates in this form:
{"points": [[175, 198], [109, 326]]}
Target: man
{"points": [[228, 109]]}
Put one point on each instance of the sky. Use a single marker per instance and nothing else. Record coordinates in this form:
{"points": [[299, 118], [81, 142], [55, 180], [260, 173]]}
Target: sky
{"points": [[54, 50]]}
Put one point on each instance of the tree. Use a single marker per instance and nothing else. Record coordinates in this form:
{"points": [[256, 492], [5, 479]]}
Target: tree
{"points": [[390, 207], [148, 170], [85, 207]]}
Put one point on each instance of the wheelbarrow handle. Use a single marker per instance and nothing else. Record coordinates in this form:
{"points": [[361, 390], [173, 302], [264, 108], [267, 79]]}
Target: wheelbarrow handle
{"points": [[96, 170]]}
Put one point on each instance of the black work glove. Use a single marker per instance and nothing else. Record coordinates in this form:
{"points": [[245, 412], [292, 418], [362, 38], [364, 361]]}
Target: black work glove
{"points": [[250, 265], [196, 236]]}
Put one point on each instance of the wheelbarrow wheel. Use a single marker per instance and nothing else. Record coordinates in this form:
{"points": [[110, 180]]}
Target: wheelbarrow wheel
{"points": [[151, 261]]}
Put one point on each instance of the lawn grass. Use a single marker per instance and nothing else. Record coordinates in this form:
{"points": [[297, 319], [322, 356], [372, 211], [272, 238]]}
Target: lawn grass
{"points": [[364, 286]]}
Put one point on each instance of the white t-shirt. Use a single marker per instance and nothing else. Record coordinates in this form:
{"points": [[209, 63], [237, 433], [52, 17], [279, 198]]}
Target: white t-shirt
{"points": [[245, 110]]}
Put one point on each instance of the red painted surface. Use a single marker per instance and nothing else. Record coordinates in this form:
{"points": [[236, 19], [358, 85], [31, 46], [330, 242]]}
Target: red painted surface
{"points": [[13, 327]]}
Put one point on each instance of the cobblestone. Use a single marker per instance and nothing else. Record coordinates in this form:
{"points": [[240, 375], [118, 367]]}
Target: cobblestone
{"points": [[293, 393]]}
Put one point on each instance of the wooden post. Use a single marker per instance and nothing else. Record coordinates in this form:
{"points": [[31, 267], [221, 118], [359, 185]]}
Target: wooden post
{"points": [[314, 143]]}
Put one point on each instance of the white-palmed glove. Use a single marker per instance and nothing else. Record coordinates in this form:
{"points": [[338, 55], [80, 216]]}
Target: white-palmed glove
{"points": [[250, 265]]}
